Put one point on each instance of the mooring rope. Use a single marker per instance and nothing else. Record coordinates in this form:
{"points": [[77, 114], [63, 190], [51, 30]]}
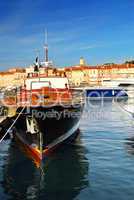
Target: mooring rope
{"points": [[12, 125]]}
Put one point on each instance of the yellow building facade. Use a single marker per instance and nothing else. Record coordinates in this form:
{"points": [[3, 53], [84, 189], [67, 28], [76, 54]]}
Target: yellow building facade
{"points": [[12, 79]]}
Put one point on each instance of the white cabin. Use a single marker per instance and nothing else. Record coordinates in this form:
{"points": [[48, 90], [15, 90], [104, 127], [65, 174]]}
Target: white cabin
{"points": [[40, 82]]}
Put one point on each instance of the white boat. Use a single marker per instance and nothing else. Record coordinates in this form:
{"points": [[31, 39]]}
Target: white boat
{"points": [[127, 84], [120, 82]]}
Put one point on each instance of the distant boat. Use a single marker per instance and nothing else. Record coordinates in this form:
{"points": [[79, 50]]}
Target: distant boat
{"points": [[126, 85], [118, 88], [103, 92]]}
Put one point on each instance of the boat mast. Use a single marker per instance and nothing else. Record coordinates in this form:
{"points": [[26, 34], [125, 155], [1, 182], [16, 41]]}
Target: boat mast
{"points": [[46, 46]]}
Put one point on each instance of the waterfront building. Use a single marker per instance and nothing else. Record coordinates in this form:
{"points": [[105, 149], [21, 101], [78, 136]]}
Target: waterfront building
{"points": [[12, 78], [85, 75], [79, 75]]}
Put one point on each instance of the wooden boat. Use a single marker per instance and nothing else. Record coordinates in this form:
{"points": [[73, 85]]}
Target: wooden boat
{"points": [[48, 112]]}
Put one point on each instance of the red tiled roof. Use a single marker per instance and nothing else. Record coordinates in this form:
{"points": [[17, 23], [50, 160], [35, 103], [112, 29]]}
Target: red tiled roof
{"points": [[100, 67], [6, 73]]}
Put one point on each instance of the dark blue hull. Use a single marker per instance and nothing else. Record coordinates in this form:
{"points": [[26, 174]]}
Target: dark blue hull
{"points": [[105, 93]]}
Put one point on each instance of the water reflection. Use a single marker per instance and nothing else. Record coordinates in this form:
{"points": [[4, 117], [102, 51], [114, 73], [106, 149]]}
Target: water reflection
{"points": [[130, 145], [62, 176]]}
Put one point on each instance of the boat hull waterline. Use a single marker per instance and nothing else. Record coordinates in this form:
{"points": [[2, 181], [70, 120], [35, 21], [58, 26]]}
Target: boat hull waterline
{"points": [[50, 127]]}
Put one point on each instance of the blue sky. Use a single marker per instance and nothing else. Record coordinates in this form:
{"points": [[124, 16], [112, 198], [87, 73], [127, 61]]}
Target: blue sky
{"points": [[99, 30]]}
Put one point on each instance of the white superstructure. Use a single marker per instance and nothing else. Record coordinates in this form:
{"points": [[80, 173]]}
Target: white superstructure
{"points": [[40, 82], [118, 82]]}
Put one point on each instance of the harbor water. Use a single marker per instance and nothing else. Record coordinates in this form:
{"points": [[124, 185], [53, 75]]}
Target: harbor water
{"points": [[100, 165]]}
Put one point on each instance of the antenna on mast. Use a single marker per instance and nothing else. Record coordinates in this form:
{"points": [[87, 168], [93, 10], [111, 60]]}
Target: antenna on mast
{"points": [[46, 46], [46, 38]]}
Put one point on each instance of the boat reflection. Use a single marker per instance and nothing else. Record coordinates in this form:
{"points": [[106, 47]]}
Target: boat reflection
{"points": [[130, 145], [62, 176]]}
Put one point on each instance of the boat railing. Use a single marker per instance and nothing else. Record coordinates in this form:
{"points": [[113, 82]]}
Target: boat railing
{"points": [[44, 97]]}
